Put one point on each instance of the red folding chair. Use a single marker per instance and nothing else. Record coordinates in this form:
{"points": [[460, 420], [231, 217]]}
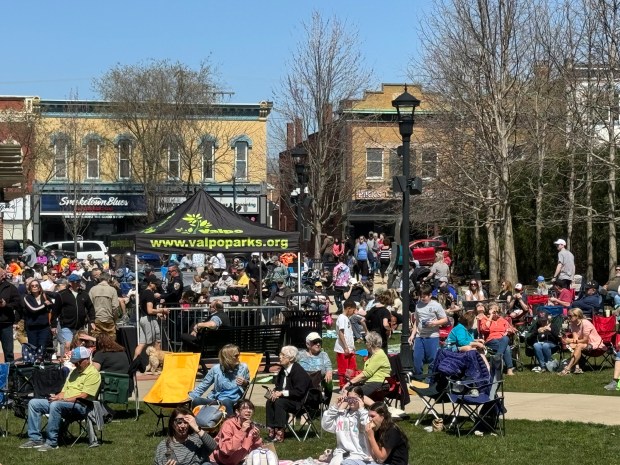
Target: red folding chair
{"points": [[606, 328]]}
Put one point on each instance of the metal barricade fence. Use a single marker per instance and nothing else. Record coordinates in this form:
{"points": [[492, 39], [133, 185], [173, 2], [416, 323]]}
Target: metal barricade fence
{"points": [[182, 320]]}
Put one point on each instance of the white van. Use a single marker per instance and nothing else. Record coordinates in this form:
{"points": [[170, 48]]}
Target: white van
{"points": [[84, 248]]}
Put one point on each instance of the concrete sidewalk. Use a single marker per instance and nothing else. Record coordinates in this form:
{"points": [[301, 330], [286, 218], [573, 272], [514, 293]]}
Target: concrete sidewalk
{"points": [[519, 405]]}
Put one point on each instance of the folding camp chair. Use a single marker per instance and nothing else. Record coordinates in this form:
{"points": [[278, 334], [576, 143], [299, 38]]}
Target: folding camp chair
{"points": [[116, 389], [311, 409], [435, 392], [394, 388], [173, 385], [479, 401], [606, 328], [252, 360], [4, 396]]}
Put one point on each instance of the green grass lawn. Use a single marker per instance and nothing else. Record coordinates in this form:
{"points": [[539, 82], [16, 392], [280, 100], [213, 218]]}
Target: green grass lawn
{"points": [[129, 442]]}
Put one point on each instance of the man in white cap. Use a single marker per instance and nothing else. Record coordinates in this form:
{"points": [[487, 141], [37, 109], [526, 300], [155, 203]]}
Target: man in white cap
{"points": [[82, 383], [517, 306], [565, 270]]}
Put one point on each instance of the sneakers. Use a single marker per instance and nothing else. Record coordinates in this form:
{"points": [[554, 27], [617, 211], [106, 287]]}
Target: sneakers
{"points": [[612, 386], [32, 444], [537, 369], [578, 371], [47, 446]]}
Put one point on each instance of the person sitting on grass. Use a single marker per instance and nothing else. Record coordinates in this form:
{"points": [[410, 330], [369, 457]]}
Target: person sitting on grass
{"points": [[583, 337], [238, 436], [347, 419], [376, 368], [388, 443], [185, 443]]}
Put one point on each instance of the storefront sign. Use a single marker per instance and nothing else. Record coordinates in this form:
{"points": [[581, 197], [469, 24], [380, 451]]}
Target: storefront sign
{"points": [[244, 205], [374, 194], [93, 205]]}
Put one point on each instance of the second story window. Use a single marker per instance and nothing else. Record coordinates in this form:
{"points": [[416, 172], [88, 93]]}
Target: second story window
{"points": [[61, 152], [92, 159], [428, 166], [207, 148], [374, 164], [241, 160], [125, 149], [174, 161]]}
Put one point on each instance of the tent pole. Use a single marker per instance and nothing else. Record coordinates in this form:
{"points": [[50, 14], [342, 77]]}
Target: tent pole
{"points": [[137, 296], [299, 279], [259, 287]]}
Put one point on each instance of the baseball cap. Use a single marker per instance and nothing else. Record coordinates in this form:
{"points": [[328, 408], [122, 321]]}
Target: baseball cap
{"points": [[560, 242], [79, 353], [318, 284], [255, 254], [152, 279], [540, 279], [443, 279], [224, 273], [313, 336], [61, 281], [352, 281], [591, 285], [518, 286], [74, 278]]}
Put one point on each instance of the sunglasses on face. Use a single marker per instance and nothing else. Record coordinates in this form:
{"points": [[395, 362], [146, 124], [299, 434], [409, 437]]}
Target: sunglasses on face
{"points": [[318, 341]]}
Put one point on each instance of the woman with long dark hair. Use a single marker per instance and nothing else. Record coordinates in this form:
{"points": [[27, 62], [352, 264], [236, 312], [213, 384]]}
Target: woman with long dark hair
{"points": [[388, 443], [37, 308], [185, 442], [110, 356]]}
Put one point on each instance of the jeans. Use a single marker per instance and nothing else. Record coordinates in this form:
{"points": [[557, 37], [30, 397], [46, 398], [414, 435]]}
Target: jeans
{"points": [[39, 337], [543, 351], [6, 339], [57, 411], [616, 298], [424, 351], [228, 403], [501, 346], [356, 326]]}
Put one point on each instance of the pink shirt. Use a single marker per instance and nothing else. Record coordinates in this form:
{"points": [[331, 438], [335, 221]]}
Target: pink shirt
{"points": [[586, 329], [497, 329]]}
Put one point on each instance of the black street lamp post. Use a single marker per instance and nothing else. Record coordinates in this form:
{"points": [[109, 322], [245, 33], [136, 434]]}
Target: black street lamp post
{"points": [[405, 105], [299, 156]]}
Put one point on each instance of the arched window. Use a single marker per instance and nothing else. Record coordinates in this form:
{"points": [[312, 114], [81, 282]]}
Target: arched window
{"points": [[242, 146], [92, 144], [208, 145], [124, 146], [60, 146]]}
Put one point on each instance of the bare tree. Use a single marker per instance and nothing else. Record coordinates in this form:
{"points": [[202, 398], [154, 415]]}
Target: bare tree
{"points": [[156, 102], [325, 69], [477, 58]]}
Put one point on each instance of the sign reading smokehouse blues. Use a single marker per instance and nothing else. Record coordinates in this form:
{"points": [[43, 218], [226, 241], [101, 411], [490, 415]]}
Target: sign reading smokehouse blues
{"points": [[96, 204]]}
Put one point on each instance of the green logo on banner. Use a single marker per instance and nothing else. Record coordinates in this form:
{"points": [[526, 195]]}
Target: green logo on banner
{"points": [[197, 225]]}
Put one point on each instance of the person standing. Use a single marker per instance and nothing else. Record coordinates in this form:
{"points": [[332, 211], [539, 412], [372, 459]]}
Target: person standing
{"points": [[37, 308], [73, 310], [345, 344], [429, 316], [30, 254], [106, 303], [10, 304], [565, 269], [148, 327]]}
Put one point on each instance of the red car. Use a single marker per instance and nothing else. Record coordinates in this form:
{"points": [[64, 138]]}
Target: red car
{"points": [[424, 250]]}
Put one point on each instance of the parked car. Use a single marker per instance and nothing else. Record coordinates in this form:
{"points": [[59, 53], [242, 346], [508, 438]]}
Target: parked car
{"points": [[84, 248], [12, 249], [424, 250]]}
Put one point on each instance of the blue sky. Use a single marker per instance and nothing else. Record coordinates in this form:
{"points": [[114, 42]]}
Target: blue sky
{"points": [[51, 48]]}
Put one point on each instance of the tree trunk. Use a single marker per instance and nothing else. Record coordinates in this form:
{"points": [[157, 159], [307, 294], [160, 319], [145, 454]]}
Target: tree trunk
{"points": [[510, 262], [589, 251], [611, 199], [493, 246]]}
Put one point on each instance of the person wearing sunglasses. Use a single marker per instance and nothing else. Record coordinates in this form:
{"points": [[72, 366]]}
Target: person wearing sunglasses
{"points": [[583, 336], [612, 288], [185, 443], [474, 291], [315, 359], [37, 308]]}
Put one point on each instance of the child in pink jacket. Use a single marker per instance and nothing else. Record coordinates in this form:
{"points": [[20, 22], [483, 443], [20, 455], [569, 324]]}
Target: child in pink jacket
{"points": [[238, 436]]}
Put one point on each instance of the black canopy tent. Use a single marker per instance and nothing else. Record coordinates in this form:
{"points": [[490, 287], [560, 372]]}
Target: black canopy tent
{"points": [[202, 224]]}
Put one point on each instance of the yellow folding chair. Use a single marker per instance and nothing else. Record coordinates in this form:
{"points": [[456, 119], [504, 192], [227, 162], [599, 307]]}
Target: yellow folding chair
{"points": [[171, 389], [252, 360]]}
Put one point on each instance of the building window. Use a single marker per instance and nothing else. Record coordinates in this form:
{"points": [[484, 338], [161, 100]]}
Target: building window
{"points": [[125, 149], [174, 161], [92, 159], [374, 163], [61, 152], [241, 160], [428, 160], [207, 149]]}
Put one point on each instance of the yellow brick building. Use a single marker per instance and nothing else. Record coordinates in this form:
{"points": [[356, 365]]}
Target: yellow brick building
{"points": [[91, 167]]}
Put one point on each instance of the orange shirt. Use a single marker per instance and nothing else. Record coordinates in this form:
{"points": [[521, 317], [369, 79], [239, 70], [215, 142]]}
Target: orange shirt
{"points": [[14, 269]]}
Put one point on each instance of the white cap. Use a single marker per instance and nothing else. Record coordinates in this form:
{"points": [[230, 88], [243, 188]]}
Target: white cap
{"points": [[443, 279], [313, 336], [255, 254], [560, 242], [518, 286], [224, 273], [352, 281]]}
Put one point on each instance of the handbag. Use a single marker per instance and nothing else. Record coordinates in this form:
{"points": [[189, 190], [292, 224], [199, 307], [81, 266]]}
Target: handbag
{"points": [[209, 417], [31, 353]]}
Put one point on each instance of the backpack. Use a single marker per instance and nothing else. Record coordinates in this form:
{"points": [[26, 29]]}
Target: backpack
{"points": [[261, 456]]}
